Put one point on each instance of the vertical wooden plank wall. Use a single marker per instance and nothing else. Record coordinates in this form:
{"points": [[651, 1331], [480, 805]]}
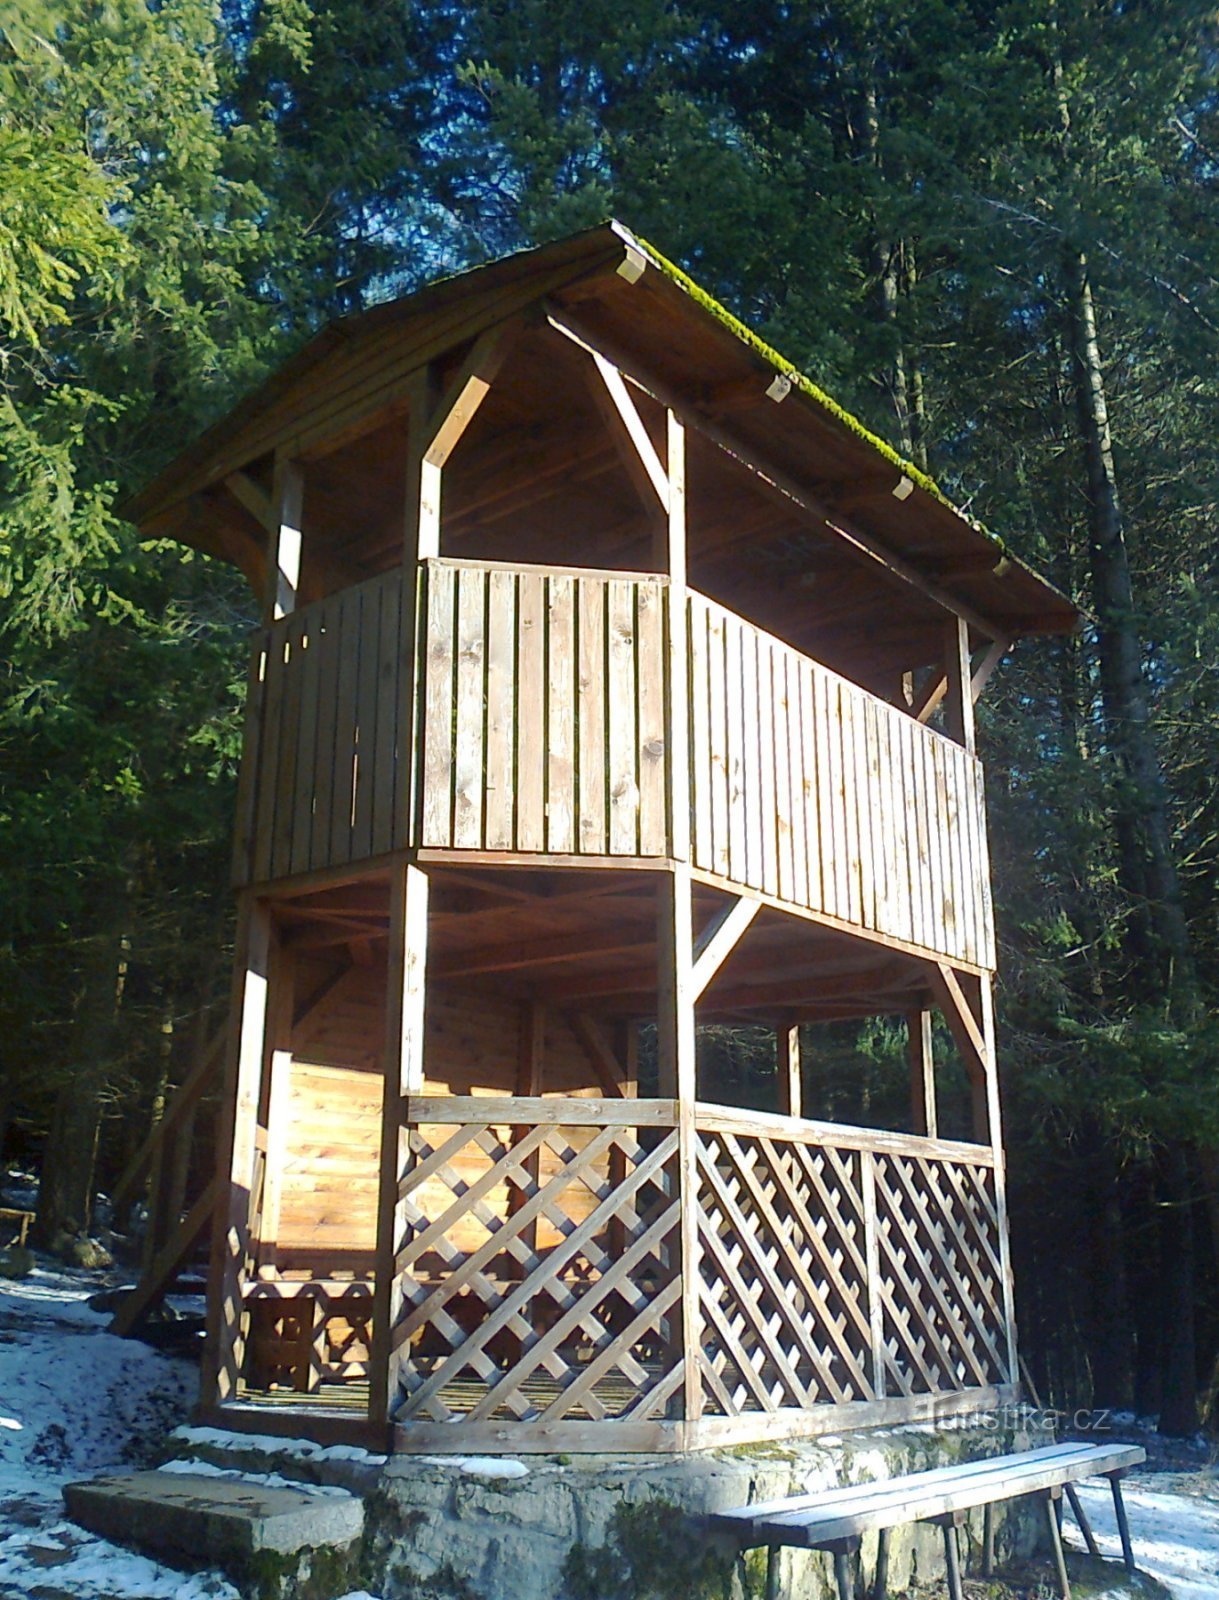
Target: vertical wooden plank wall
{"points": [[544, 698], [321, 783], [810, 789]]}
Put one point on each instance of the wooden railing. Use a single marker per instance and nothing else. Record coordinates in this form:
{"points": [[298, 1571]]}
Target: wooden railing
{"points": [[322, 782], [809, 788], [542, 731], [544, 711], [831, 1274]]}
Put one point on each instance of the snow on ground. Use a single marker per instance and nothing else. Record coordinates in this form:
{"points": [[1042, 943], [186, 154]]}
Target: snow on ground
{"points": [[1174, 1527], [75, 1400]]}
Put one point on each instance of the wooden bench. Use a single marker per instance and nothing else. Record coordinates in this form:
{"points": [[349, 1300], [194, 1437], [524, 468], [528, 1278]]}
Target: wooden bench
{"points": [[835, 1520]]}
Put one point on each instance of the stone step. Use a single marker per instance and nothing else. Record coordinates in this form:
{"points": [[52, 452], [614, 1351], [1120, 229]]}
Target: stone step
{"points": [[246, 1528]]}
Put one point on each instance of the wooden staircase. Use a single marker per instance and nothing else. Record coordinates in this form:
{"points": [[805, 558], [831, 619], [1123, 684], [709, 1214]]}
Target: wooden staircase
{"points": [[162, 1167]]}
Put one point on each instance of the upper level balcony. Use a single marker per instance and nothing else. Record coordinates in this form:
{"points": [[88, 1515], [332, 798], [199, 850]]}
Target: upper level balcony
{"points": [[546, 732]]}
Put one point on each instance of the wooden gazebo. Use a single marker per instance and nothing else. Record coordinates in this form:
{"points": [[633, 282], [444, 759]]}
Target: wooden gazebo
{"points": [[609, 675]]}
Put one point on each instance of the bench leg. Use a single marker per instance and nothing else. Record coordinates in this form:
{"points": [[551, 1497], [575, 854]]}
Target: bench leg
{"points": [[773, 1556], [988, 1540], [1060, 1564], [1123, 1526], [1081, 1517], [952, 1561], [880, 1580]]}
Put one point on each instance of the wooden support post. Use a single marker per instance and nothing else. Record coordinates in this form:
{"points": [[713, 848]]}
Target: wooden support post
{"points": [[787, 1053], [675, 928], [284, 566], [1052, 1502], [403, 1075], [1081, 1517], [1123, 1523], [871, 1243], [959, 708], [273, 1106], [994, 1116], [237, 1153], [923, 1117]]}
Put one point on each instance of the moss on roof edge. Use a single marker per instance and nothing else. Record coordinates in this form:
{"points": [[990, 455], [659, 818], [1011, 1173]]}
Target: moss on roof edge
{"points": [[781, 364]]}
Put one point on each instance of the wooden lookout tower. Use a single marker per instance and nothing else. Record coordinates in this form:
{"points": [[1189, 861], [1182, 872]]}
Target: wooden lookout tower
{"points": [[610, 681]]}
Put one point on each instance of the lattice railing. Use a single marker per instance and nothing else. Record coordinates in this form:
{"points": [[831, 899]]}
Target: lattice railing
{"points": [[940, 1277], [783, 1281], [542, 1270], [839, 1265]]}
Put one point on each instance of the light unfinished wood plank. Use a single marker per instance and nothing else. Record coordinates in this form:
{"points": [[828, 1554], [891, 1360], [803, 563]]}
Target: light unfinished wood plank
{"points": [[439, 700], [470, 754], [591, 833], [500, 777], [531, 713], [651, 598], [561, 717], [622, 718]]}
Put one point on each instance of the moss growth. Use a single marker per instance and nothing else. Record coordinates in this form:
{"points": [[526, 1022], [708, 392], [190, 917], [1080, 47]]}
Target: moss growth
{"points": [[654, 1552], [318, 1574], [806, 386]]}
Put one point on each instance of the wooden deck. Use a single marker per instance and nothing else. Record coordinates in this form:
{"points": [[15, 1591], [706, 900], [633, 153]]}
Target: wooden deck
{"points": [[544, 737]]}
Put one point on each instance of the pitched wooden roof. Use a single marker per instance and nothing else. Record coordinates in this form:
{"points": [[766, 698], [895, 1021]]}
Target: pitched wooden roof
{"points": [[653, 321]]}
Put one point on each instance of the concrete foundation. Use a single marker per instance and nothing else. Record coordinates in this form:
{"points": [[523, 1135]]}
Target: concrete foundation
{"points": [[612, 1528], [269, 1539]]}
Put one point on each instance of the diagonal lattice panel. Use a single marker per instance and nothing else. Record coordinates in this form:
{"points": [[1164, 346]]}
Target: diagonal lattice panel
{"points": [[540, 1274], [782, 1284], [940, 1281]]}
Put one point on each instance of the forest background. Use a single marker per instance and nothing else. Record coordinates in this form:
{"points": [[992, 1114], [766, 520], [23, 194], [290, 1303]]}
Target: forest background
{"points": [[989, 228]]}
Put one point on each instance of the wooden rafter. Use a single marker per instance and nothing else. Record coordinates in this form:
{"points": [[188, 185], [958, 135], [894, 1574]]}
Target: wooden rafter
{"points": [[864, 545], [634, 443]]}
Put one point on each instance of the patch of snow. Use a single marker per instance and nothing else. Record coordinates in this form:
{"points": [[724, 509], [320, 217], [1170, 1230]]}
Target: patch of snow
{"points": [[1174, 1528], [71, 1562], [78, 1401], [480, 1466], [272, 1480], [53, 1296], [295, 1449]]}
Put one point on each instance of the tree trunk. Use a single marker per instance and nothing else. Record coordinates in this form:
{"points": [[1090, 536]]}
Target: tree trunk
{"points": [[1159, 937], [1140, 800], [69, 1159], [1110, 1340], [1179, 1397]]}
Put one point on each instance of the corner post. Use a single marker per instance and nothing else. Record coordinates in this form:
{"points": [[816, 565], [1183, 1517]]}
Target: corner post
{"points": [[986, 1009], [403, 1075], [237, 1155], [959, 706], [675, 929]]}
